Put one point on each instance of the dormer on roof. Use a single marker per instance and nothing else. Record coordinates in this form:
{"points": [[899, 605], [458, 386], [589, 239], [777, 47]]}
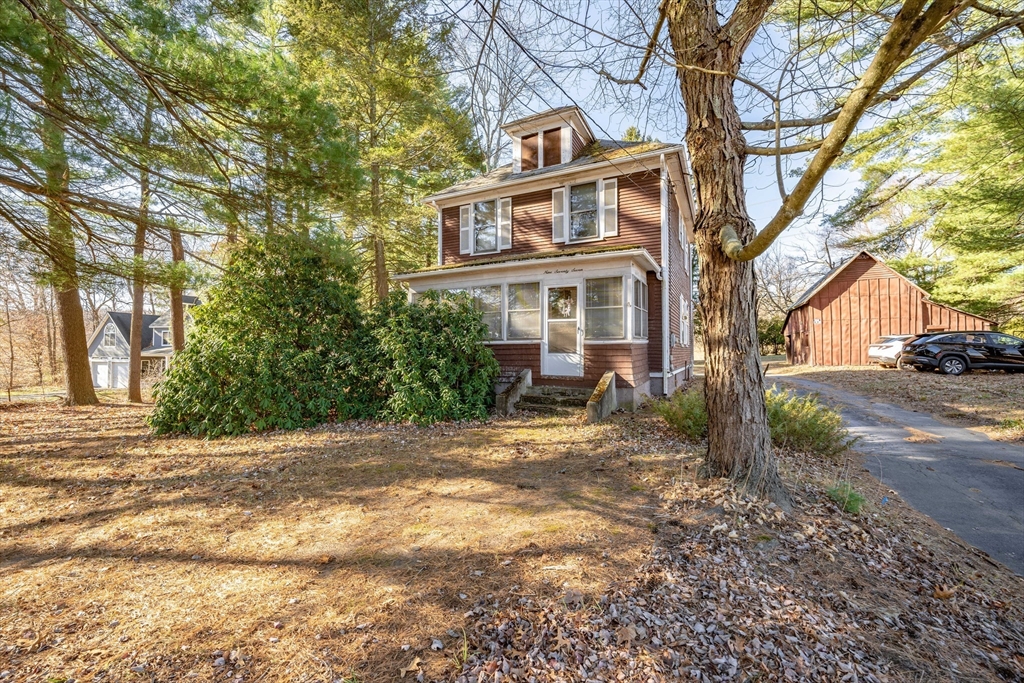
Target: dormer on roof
{"points": [[552, 137]]}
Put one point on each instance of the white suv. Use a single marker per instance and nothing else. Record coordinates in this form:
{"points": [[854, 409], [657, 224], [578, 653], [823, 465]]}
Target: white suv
{"points": [[886, 351]]}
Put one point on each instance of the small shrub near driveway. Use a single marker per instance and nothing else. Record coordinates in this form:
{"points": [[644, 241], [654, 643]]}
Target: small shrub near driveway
{"points": [[800, 423], [847, 498]]}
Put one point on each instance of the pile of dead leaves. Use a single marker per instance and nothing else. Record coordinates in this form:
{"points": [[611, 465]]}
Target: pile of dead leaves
{"points": [[741, 590]]}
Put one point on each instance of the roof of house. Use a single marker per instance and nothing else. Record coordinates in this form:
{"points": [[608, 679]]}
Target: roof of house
{"points": [[123, 321], [600, 151]]}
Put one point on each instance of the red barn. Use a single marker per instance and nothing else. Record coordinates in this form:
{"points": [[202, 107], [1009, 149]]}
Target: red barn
{"points": [[857, 302]]}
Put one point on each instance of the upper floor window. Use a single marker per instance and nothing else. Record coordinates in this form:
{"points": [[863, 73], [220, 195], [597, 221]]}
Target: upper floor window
{"points": [[585, 212], [109, 336], [530, 147], [485, 227]]}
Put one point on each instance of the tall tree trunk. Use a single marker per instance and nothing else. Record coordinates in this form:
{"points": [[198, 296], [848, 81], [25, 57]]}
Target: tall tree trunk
{"points": [[739, 442], [177, 308], [77, 369], [10, 347], [139, 271]]}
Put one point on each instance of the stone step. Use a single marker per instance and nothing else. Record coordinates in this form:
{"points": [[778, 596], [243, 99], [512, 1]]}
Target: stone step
{"points": [[553, 400]]}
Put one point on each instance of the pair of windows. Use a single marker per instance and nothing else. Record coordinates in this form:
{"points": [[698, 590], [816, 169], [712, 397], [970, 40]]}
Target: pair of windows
{"points": [[579, 213], [485, 227]]}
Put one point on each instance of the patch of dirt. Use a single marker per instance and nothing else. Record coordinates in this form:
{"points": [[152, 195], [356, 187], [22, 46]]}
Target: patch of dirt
{"points": [[988, 401], [326, 554]]}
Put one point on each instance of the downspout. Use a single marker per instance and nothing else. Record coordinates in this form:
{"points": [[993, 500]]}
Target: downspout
{"points": [[666, 352]]}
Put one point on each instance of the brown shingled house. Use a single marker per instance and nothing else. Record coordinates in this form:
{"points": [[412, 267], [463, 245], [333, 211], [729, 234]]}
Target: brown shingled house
{"points": [[857, 302], [578, 256]]}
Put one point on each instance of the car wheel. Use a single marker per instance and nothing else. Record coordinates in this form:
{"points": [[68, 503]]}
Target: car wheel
{"points": [[953, 366], [899, 364]]}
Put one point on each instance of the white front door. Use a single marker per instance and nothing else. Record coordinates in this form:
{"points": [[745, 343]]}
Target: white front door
{"points": [[561, 349]]}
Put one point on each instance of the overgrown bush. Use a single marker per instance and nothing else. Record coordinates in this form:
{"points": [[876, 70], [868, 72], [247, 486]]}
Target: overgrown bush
{"points": [[770, 337], [801, 423], [429, 360], [281, 344], [270, 348]]}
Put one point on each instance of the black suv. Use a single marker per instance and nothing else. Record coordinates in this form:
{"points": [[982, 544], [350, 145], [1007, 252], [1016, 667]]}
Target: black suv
{"points": [[956, 352]]}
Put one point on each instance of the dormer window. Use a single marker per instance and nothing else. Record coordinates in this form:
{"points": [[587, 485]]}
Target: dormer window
{"points": [[530, 152], [547, 139]]}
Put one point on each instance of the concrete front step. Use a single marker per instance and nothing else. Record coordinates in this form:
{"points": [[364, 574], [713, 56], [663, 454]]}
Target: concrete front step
{"points": [[530, 402]]}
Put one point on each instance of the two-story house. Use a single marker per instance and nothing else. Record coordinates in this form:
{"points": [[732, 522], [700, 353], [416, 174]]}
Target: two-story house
{"points": [[109, 350], [577, 254]]}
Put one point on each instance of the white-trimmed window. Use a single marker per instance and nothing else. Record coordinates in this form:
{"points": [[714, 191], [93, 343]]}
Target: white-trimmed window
{"points": [[640, 310], [487, 300], [604, 310], [585, 212], [524, 310], [485, 227], [109, 336], [684, 320]]}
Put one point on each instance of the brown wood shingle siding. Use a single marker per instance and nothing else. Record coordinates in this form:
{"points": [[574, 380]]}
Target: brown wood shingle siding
{"points": [[639, 222], [628, 360], [577, 145], [677, 286], [863, 302]]}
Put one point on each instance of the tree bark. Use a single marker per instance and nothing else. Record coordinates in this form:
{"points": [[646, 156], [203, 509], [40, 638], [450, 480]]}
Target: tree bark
{"points": [[139, 271], [739, 442], [177, 308], [78, 372]]}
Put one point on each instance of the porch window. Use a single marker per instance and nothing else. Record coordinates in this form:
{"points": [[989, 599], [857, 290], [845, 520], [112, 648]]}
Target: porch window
{"points": [[639, 309], [487, 300], [109, 336], [524, 310], [604, 314]]}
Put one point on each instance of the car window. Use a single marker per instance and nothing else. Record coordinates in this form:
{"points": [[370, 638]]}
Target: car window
{"points": [[976, 339], [948, 339], [1005, 340]]}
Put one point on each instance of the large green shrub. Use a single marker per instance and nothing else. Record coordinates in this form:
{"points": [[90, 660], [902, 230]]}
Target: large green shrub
{"points": [[801, 423], [270, 349], [430, 360], [281, 344]]}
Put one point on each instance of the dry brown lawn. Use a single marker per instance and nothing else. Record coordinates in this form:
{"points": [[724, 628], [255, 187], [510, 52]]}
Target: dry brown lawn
{"points": [[990, 402], [342, 553], [316, 555]]}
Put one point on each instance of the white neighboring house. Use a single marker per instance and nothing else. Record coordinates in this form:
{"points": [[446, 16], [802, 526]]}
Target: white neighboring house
{"points": [[108, 346]]}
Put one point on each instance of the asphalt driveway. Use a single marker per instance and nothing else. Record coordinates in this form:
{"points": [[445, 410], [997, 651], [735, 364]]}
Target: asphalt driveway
{"points": [[962, 479]]}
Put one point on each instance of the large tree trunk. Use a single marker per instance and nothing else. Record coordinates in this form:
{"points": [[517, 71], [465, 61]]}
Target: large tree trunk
{"points": [[739, 443], [139, 271], [78, 372]]}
